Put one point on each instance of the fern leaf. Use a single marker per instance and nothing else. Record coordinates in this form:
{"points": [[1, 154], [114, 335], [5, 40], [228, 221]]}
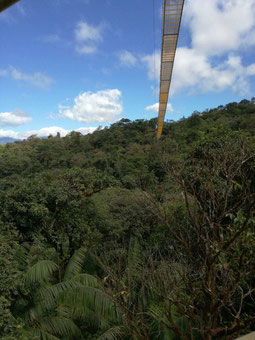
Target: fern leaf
{"points": [[59, 326], [95, 300], [75, 263], [86, 280], [81, 313], [35, 334], [157, 313], [115, 333], [135, 260], [40, 272], [50, 296]]}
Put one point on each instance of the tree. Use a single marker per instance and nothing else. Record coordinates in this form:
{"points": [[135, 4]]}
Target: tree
{"points": [[10, 277], [211, 280]]}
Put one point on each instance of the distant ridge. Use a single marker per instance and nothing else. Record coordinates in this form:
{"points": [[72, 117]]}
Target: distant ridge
{"points": [[4, 140]]}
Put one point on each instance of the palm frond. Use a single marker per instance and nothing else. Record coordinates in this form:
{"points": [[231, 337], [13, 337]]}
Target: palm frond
{"points": [[40, 272], [47, 299], [37, 334], [75, 263], [115, 333], [47, 336], [157, 312], [59, 326], [135, 259], [182, 323], [35, 313], [50, 296], [81, 313], [54, 294], [86, 280], [94, 299]]}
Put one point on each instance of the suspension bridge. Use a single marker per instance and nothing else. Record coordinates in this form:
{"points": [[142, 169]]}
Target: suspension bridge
{"points": [[171, 21]]}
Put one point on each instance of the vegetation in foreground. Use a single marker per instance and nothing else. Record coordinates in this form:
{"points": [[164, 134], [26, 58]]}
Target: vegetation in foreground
{"points": [[116, 235]]}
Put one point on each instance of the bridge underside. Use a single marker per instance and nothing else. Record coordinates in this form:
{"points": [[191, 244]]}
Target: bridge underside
{"points": [[172, 14], [6, 3]]}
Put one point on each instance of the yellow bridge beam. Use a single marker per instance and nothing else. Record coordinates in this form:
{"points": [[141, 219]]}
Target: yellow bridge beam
{"points": [[172, 14]]}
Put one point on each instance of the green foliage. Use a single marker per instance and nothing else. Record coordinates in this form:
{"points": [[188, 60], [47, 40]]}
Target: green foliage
{"points": [[10, 277], [40, 272], [136, 202]]}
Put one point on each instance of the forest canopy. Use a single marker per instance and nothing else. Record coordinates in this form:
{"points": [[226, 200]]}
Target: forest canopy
{"points": [[115, 235]]}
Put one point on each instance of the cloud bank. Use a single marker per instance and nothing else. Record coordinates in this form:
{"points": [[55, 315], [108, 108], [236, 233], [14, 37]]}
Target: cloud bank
{"points": [[15, 118], [36, 79], [44, 132], [94, 107], [127, 59], [221, 30], [87, 37]]}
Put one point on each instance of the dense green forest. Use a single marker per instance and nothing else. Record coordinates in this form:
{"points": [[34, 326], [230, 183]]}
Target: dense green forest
{"points": [[116, 235]]}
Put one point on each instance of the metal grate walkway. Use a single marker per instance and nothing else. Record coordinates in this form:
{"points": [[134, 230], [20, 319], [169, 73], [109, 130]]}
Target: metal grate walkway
{"points": [[172, 14]]}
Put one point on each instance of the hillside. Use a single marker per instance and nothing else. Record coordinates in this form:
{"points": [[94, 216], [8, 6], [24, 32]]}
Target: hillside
{"points": [[152, 237], [4, 140], [106, 148]]}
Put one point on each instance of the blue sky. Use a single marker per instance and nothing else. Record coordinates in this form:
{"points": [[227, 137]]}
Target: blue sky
{"points": [[76, 64]]}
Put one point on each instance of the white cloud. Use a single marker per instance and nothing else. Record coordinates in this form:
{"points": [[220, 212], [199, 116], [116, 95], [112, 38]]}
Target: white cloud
{"points": [[193, 70], [36, 79], [14, 118], [86, 32], [251, 70], [94, 107], [86, 130], [53, 130], [220, 31], [87, 37], [9, 133], [155, 107], [219, 26], [4, 73], [152, 62], [44, 132], [86, 49], [127, 59]]}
